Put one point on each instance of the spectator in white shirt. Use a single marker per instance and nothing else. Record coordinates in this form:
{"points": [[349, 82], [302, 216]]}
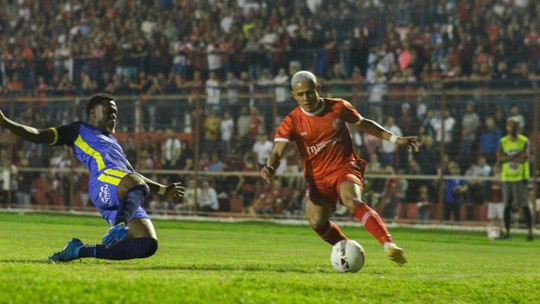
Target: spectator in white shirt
{"points": [[262, 149], [388, 149], [214, 58], [231, 85], [213, 92], [227, 130], [244, 121], [281, 83], [449, 124], [208, 200], [171, 150]]}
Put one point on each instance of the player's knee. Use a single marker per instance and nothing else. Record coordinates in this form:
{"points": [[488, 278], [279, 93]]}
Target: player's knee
{"points": [[129, 182], [312, 222], [149, 248], [352, 202], [137, 193], [317, 223]]}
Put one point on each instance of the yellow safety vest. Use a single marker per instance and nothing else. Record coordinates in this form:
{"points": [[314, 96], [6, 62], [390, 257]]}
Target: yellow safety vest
{"points": [[514, 171]]}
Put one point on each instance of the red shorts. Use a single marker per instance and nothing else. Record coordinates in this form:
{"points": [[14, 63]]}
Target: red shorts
{"points": [[326, 188]]}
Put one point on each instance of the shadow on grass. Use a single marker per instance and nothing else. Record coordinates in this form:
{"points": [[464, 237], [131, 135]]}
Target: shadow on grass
{"points": [[22, 261], [245, 268], [202, 267]]}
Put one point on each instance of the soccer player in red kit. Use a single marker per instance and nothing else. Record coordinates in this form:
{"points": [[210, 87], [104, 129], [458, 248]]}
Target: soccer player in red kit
{"points": [[333, 171]]}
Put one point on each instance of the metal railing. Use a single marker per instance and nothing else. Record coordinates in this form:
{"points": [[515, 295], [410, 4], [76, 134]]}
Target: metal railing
{"points": [[144, 118]]}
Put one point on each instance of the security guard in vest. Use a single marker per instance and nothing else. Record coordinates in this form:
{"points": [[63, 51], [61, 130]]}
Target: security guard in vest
{"points": [[513, 155]]}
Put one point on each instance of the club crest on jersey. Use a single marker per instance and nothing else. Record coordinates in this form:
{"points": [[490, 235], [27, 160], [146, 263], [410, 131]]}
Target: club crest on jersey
{"points": [[337, 123]]}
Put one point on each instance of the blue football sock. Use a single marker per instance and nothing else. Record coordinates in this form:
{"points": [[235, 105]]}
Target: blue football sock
{"points": [[134, 198]]}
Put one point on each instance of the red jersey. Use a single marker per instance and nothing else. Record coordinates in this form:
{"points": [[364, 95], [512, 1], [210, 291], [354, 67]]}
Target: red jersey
{"points": [[323, 140]]}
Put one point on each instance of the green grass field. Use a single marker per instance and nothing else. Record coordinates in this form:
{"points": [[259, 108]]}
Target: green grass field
{"points": [[247, 262]]}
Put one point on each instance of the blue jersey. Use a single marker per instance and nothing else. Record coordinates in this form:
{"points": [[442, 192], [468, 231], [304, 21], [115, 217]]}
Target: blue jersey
{"points": [[96, 149], [451, 196], [101, 153]]}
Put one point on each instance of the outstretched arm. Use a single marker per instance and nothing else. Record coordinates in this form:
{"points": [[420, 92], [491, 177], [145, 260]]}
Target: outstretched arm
{"points": [[28, 133], [371, 127], [274, 159]]}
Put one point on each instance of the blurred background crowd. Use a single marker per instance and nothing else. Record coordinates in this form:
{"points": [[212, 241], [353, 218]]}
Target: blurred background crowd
{"points": [[133, 47], [202, 85]]}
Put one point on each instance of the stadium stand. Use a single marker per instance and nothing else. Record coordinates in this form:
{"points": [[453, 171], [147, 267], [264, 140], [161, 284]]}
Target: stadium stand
{"points": [[438, 68]]}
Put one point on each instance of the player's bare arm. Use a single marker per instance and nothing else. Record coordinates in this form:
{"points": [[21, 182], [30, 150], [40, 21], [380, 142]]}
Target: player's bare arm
{"points": [[372, 127], [28, 133], [268, 171], [173, 191]]}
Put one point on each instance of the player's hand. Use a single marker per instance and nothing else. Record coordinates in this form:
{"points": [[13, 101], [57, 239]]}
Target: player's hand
{"points": [[410, 142], [267, 173], [115, 234], [175, 191]]}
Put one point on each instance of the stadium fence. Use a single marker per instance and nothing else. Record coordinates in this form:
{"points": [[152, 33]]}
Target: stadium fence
{"points": [[144, 118]]}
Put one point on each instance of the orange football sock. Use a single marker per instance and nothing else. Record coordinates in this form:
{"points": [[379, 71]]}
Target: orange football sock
{"points": [[330, 232], [373, 222]]}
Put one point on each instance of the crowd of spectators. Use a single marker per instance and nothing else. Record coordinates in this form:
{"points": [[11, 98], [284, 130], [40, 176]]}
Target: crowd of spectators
{"points": [[216, 52], [165, 46]]}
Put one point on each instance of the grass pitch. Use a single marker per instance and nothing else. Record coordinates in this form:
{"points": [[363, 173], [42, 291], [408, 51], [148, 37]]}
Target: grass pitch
{"points": [[243, 262]]}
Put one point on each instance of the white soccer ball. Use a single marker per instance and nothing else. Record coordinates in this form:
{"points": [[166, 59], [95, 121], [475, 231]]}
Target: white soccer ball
{"points": [[494, 232], [347, 256]]}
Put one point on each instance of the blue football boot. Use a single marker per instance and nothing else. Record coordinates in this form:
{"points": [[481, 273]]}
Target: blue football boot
{"points": [[69, 253]]}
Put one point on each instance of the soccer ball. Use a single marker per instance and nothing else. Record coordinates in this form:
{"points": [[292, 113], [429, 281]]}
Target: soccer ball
{"points": [[347, 256], [494, 232]]}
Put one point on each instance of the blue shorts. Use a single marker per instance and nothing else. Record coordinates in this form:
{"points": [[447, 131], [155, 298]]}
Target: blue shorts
{"points": [[103, 193]]}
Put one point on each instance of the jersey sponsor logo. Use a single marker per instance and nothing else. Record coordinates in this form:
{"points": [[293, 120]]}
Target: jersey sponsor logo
{"points": [[105, 194], [512, 165], [314, 150]]}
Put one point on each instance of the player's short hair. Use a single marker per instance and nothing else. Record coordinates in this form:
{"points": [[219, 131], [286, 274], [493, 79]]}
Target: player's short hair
{"points": [[513, 119], [302, 76], [96, 100]]}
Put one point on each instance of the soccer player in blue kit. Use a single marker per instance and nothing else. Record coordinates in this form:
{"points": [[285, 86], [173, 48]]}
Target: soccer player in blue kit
{"points": [[117, 191]]}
